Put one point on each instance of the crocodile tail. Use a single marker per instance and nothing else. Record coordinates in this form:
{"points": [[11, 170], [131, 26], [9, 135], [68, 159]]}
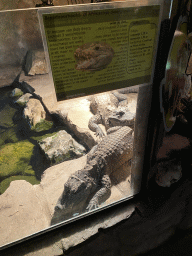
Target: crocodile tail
{"points": [[133, 89]]}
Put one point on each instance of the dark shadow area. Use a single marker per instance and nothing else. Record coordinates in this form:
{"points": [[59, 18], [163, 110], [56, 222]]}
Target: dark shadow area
{"points": [[38, 162], [180, 244]]}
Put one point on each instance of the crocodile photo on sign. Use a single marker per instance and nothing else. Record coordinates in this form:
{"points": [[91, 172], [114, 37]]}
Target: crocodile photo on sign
{"points": [[87, 188], [93, 56], [111, 109]]}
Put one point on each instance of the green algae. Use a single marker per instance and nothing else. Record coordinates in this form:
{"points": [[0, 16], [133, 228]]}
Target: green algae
{"points": [[15, 159], [38, 138], [16, 93], [5, 183], [8, 136], [6, 116], [20, 154], [43, 125]]}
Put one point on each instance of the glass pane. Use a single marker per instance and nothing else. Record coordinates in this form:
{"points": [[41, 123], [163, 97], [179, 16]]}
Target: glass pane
{"points": [[73, 111]]}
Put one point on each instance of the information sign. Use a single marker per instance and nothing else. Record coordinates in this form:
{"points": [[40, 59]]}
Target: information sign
{"points": [[99, 50]]}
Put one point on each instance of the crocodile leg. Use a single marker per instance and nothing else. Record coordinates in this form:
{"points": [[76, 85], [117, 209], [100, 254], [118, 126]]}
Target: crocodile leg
{"points": [[102, 194], [93, 125]]}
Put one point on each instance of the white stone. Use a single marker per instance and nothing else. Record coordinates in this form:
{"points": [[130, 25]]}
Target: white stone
{"points": [[34, 112], [61, 147], [22, 101], [35, 63]]}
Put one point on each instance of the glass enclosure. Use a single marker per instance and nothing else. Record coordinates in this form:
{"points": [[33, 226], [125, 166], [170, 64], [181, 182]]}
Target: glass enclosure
{"points": [[75, 94]]}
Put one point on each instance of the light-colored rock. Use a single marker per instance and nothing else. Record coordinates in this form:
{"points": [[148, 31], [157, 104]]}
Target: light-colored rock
{"points": [[34, 112], [16, 93], [61, 147], [19, 32], [35, 63], [17, 4], [23, 211], [22, 101], [75, 114], [8, 74]]}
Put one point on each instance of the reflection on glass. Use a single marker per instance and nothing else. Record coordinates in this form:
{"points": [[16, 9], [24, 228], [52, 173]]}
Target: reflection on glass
{"points": [[59, 160]]}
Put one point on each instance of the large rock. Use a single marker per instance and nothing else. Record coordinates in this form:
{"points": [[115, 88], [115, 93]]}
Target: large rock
{"points": [[61, 147], [8, 74], [35, 63], [22, 101], [75, 114], [23, 211], [18, 4], [19, 32], [35, 115], [34, 112], [16, 93]]}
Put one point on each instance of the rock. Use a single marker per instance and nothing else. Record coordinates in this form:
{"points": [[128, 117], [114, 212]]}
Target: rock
{"points": [[35, 63], [75, 114], [8, 74], [35, 115], [61, 147], [23, 211], [43, 86], [16, 93], [19, 32], [168, 172], [22, 101], [18, 4]]}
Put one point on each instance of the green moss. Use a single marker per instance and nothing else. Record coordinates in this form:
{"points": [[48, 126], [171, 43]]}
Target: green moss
{"points": [[8, 136], [6, 115], [39, 138], [5, 183], [16, 93], [43, 126], [15, 159]]}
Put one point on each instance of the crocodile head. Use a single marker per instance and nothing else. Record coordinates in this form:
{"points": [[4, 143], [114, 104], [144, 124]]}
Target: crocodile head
{"points": [[93, 56], [121, 117], [76, 191]]}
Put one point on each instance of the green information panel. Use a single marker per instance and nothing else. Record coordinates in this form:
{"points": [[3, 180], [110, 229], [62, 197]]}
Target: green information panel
{"points": [[100, 50]]}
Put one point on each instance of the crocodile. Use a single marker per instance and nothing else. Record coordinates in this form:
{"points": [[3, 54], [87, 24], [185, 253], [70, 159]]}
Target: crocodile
{"points": [[93, 56], [92, 185], [110, 109]]}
